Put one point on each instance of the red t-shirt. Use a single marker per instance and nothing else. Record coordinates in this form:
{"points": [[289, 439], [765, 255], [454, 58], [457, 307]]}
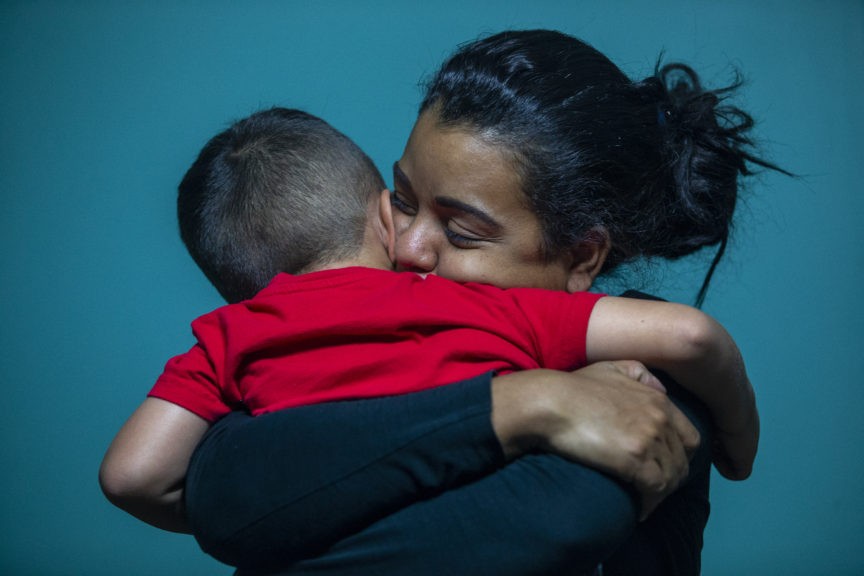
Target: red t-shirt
{"points": [[360, 332]]}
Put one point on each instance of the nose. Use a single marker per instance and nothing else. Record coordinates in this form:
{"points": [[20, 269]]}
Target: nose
{"points": [[417, 249]]}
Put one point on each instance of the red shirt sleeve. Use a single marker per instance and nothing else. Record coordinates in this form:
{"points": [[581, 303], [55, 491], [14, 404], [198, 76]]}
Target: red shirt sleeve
{"points": [[559, 321], [192, 380]]}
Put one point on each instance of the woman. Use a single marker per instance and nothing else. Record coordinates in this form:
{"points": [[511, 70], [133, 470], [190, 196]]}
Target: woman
{"points": [[518, 174], [535, 161]]}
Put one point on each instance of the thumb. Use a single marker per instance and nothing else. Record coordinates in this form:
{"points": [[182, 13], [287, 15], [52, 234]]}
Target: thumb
{"points": [[637, 371]]}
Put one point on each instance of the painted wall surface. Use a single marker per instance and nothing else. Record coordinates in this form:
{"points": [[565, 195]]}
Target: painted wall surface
{"points": [[105, 104]]}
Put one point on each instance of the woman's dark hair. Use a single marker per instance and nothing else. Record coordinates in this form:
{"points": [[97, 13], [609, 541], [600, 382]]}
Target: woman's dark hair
{"points": [[652, 165]]}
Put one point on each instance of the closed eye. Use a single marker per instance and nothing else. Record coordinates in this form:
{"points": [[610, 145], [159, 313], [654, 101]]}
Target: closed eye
{"points": [[462, 234], [400, 204], [460, 240]]}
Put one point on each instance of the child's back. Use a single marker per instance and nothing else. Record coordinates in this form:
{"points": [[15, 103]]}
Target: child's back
{"points": [[361, 332]]}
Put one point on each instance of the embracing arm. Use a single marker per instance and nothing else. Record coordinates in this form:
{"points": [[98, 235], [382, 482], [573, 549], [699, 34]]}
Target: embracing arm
{"points": [[596, 415], [415, 446], [612, 416], [144, 468], [698, 353], [537, 515]]}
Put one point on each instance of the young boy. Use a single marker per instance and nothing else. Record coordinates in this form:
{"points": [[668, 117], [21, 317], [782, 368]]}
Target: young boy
{"points": [[346, 326]]}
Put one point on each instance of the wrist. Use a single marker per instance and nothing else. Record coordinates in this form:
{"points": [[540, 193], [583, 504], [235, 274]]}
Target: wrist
{"points": [[520, 405]]}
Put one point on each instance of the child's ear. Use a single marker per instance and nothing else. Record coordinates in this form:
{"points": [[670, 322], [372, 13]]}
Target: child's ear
{"points": [[387, 230], [588, 257]]}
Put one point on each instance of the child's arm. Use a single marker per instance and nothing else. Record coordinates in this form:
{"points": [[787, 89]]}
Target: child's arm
{"points": [[696, 351], [144, 469]]}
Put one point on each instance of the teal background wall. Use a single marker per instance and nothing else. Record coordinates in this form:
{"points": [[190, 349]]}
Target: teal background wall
{"points": [[103, 105]]}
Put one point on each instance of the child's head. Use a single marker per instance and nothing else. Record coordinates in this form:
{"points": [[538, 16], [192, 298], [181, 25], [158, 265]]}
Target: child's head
{"points": [[279, 191]]}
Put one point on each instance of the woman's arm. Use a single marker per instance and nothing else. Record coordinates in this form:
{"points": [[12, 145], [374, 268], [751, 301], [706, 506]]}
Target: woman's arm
{"points": [[539, 514], [669, 541], [271, 490], [303, 460], [145, 467], [694, 350], [611, 416], [257, 486]]}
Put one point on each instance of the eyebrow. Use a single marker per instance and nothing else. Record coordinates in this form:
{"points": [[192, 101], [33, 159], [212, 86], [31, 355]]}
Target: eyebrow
{"points": [[448, 202]]}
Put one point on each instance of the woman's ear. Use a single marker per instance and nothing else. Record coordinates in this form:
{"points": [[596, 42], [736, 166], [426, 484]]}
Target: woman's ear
{"points": [[386, 229], [588, 257]]}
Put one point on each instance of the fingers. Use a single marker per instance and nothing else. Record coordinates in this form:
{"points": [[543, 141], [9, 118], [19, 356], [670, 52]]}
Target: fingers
{"points": [[687, 433], [637, 371], [665, 461]]}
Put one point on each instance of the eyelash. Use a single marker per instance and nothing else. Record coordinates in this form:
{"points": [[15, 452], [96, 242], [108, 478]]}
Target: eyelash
{"points": [[456, 239], [459, 240], [400, 204]]}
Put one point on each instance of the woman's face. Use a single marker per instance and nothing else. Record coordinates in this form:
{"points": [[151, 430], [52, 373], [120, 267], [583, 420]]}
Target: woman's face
{"points": [[459, 212]]}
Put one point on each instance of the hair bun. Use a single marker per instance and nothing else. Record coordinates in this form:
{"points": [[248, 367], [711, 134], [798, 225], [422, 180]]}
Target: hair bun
{"points": [[706, 149]]}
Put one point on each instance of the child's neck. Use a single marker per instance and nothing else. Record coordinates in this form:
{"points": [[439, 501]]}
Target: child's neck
{"points": [[366, 258]]}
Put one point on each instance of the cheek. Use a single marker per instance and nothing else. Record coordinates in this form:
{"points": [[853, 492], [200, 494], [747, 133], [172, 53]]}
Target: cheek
{"points": [[548, 278], [401, 223], [475, 266], [513, 274]]}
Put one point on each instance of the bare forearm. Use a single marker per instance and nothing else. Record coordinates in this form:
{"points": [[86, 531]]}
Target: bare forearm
{"points": [[144, 469], [164, 510], [708, 363], [714, 371], [694, 350]]}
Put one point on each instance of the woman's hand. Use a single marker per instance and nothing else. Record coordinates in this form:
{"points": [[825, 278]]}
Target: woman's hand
{"points": [[612, 416]]}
